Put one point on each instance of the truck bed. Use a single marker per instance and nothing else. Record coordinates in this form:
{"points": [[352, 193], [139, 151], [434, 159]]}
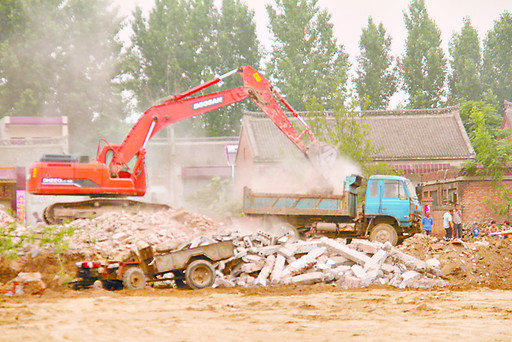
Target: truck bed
{"points": [[300, 204]]}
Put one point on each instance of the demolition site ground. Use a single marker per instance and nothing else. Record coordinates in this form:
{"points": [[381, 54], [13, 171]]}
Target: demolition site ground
{"points": [[294, 313], [475, 306]]}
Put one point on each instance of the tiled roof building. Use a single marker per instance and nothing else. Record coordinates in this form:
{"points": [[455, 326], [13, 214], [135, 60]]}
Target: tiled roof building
{"points": [[417, 141]]}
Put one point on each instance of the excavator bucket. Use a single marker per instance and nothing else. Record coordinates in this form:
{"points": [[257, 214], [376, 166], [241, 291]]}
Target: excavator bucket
{"points": [[322, 156]]}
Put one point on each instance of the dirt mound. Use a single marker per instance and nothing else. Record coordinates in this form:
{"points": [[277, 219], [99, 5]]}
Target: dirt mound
{"points": [[470, 262]]}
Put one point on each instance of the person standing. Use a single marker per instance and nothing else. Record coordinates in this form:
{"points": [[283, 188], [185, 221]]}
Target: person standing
{"points": [[457, 222], [493, 229], [37, 218], [476, 230], [448, 224], [427, 223]]}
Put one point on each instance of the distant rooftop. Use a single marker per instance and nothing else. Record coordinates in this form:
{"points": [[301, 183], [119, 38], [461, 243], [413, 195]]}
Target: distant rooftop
{"points": [[423, 134]]}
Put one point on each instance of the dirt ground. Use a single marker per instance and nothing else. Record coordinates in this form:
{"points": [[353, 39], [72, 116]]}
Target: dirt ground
{"points": [[287, 313], [477, 306]]}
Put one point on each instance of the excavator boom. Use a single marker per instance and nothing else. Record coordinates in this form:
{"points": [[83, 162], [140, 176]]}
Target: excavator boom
{"points": [[119, 169]]}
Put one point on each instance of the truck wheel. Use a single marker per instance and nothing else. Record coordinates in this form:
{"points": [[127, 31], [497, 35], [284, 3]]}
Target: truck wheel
{"points": [[134, 278], [199, 274], [284, 228], [384, 232]]}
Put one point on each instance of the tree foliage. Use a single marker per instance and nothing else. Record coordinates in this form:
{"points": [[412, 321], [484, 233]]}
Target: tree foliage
{"points": [[344, 128], [184, 43], [375, 78], [306, 61], [60, 59], [423, 67], [464, 82], [497, 59], [492, 118]]}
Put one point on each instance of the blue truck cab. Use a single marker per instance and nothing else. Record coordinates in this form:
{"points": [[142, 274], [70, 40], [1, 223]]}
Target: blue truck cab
{"points": [[391, 201]]}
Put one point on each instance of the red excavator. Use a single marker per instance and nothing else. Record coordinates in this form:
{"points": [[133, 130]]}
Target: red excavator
{"points": [[119, 169]]}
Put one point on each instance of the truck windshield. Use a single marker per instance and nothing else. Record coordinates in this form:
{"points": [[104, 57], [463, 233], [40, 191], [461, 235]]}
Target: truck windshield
{"points": [[411, 190]]}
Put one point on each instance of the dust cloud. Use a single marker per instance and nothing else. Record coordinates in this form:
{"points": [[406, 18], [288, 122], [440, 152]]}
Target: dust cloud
{"points": [[298, 176]]}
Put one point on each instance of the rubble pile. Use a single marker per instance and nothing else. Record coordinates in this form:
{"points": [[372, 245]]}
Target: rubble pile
{"points": [[262, 259], [5, 218], [484, 260], [113, 235]]}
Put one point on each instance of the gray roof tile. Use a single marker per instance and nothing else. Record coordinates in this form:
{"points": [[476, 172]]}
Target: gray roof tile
{"points": [[404, 135]]}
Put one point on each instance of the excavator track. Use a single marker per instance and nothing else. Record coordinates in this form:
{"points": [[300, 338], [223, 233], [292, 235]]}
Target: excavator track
{"points": [[57, 213]]}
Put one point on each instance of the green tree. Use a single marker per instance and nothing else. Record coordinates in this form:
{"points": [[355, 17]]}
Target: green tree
{"points": [[306, 61], [464, 82], [344, 128], [487, 108], [423, 66], [493, 156], [238, 45], [60, 60], [375, 80], [183, 43], [497, 59]]}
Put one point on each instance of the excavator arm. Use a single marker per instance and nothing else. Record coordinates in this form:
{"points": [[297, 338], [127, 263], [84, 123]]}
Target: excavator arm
{"points": [[119, 168], [182, 106]]}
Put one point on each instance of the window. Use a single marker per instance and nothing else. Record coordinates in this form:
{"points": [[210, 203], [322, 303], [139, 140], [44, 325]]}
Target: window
{"points": [[374, 188], [394, 189], [433, 194], [452, 196]]}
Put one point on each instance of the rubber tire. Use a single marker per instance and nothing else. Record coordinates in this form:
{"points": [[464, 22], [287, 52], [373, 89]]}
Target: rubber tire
{"points": [[200, 274], [280, 228], [134, 278], [384, 232]]}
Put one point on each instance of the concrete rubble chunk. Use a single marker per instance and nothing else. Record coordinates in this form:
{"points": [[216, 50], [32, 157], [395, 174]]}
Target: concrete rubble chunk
{"points": [[265, 272], [286, 252], [302, 247], [347, 252], [411, 262], [366, 246], [308, 278], [221, 282], [252, 267], [351, 282], [275, 276], [358, 271], [303, 263], [25, 283], [267, 250]]}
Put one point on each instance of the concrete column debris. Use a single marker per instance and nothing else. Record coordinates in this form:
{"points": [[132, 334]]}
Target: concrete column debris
{"points": [[365, 246], [275, 276], [308, 278], [347, 252], [265, 272], [303, 263]]}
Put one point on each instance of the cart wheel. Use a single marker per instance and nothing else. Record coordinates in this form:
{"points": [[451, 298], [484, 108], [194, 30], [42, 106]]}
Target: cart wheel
{"points": [[134, 278], [384, 232], [200, 274]]}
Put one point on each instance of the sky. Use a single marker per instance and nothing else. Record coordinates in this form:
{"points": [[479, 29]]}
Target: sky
{"points": [[349, 17]]}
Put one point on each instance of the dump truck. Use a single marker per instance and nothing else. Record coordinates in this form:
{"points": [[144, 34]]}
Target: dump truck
{"points": [[391, 210]]}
